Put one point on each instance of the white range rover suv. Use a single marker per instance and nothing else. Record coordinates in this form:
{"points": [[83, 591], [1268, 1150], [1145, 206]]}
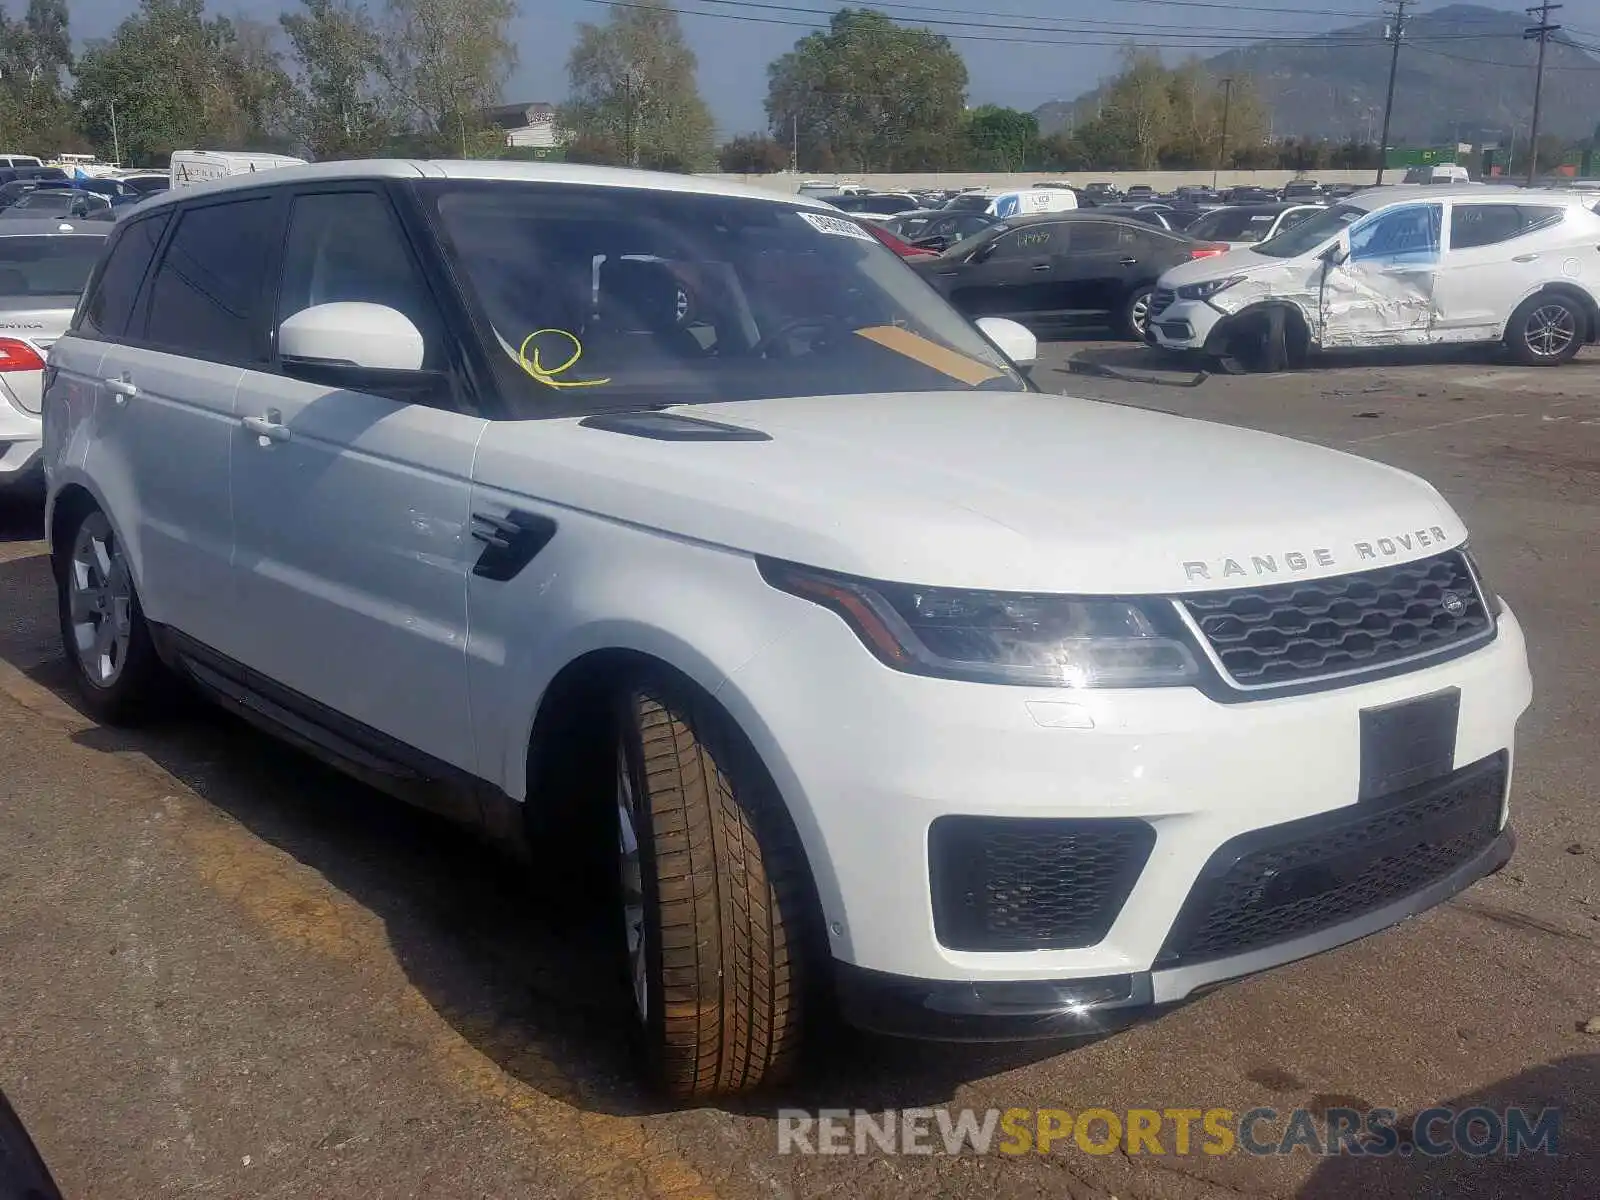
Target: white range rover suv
{"points": [[566, 500]]}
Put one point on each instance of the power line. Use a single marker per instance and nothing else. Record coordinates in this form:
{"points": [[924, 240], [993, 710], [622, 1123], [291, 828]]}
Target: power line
{"points": [[1395, 31], [1078, 37], [1542, 31]]}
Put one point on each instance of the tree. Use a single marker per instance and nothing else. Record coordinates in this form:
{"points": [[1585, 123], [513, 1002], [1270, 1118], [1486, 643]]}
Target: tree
{"points": [[634, 91], [752, 154], [337, 51], [445, 61], [180, 80], [1141, 105], [870, 95], [1003, 139], [35, 56]]}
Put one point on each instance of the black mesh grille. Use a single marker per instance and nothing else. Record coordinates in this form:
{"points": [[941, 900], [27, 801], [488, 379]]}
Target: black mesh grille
{"points": [[1032, 884], [1288, 880], [1288, 633]]}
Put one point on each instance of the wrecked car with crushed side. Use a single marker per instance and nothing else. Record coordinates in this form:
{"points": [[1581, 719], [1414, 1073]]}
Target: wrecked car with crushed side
{"points": [[1400, 266]]}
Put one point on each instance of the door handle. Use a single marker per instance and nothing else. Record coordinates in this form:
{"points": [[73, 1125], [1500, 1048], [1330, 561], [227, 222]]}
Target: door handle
{"points": [[1041, 266], [121, 389], [1524, 257], [269, 428], [1127, 262]]}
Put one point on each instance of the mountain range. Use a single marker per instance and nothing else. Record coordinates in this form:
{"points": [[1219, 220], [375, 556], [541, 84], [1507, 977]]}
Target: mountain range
{"points": [[1466, 74]]}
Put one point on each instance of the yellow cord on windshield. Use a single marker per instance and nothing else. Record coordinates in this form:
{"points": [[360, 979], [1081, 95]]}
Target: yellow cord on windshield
{"points": [[547, 375]]}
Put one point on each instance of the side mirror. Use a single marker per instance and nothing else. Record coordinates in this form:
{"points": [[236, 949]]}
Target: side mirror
{"points": [[360, 347], [352, 334], [1015, 341], [1337, 254]]}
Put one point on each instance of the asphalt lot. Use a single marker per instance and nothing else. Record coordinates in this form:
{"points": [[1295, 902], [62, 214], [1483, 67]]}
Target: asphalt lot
{"points": [[225, 971]]}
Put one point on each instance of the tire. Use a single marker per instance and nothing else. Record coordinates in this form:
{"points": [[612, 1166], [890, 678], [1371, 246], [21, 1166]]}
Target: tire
{"points": [[120, 678], [1546, 330], [715, 908], [1135, 313]]}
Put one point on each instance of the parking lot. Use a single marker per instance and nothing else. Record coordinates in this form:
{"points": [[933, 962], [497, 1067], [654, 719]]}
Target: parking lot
{"points": [[225, 971]]}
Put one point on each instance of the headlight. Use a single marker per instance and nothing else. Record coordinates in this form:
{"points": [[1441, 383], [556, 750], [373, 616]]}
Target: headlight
{"points": [[1208, 289], [1002, 637]]}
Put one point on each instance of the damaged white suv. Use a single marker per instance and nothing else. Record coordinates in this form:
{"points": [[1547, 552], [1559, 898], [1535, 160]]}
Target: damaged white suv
{"points": [[566, 499], [1398, 266]]}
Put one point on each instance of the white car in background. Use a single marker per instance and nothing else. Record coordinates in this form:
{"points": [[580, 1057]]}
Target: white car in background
{"points": [[44, 265], [1398, 266]]}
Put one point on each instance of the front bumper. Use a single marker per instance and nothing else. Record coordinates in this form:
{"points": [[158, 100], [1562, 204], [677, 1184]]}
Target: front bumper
{"points": [[946, 1010], [1183, 325], [869, 760]]}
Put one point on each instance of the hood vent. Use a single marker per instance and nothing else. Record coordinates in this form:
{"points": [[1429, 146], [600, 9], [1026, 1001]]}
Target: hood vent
{"points": [[672, 427]]}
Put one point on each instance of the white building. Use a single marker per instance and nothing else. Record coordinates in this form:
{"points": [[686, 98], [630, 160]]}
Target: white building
{"points": [[531, 124]]}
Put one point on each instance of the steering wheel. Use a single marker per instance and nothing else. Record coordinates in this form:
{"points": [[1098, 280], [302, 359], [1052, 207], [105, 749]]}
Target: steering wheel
{"points": [[821, 324]]}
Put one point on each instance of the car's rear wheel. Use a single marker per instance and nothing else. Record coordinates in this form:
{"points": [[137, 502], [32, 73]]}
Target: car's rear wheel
{"points": [[1546, 330], [1136, 313], [714, 910], [103, 631]]}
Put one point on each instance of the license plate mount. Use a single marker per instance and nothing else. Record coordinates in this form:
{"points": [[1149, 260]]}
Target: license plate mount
{"points": [[1408, 743]]}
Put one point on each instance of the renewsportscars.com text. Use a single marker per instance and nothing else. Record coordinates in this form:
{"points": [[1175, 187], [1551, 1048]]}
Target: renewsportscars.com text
{"points": [[1435, 1132]]}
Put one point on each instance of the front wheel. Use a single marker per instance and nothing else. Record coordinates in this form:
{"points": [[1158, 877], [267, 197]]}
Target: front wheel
{"points": [[1546, 330], [714, 909]]}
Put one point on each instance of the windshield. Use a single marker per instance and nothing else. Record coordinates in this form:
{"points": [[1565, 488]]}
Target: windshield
{"points": [[607, 298], [1310, 234], [1232, 225], [46, 266]]}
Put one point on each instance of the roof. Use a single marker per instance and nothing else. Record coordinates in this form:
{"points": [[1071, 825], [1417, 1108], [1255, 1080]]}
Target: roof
{"points": [[1266, 208], [482, 169], [515, 116], [1379, 196], [53, 227]]}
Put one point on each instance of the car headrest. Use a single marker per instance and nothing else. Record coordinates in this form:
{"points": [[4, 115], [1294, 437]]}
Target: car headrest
{"points": [[638, 295]]}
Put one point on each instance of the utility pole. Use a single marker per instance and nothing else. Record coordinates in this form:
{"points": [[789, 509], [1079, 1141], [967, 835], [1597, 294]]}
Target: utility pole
{"points": [[1222, 149], [116, 139], [1394, 31], [1542, 31], [794, 144]]}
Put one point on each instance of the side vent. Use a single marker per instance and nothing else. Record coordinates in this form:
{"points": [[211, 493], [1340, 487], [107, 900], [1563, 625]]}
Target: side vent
{"points": [[510, 542]]}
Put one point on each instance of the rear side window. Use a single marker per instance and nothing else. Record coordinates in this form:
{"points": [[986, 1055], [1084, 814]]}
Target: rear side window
{"points": [[1486, 224], [207, 289], [1089, 237], [111, 303]]}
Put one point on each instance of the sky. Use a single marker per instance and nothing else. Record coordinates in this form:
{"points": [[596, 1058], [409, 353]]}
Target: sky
{"points": [[1019, 53]]}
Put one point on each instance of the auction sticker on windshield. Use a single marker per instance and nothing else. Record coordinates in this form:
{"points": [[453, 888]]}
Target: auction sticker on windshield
{"points": [[836, 226]]}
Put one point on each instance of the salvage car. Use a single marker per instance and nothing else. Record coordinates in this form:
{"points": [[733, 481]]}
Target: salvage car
{"points": [[1246, 224], [1074, 268], [937, 229], [1398, 266], [849, 667]]}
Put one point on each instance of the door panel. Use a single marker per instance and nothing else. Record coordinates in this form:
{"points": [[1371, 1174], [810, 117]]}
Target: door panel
{"points": [[351, 528], [1494, 259], [1018, 278], [1383, 295]]}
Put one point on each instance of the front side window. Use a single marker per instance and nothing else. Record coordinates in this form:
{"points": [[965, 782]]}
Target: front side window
{"points": [[208, 287], [1409, 233], [607, 298], [348, 246]]}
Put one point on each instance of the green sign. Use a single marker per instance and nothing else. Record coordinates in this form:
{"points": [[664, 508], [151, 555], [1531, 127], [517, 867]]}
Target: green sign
{"points": [[1400, 156]]}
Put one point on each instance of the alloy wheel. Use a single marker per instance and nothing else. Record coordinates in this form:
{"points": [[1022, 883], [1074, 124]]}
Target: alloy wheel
{"points": [[1551, 328], [100, 601]]}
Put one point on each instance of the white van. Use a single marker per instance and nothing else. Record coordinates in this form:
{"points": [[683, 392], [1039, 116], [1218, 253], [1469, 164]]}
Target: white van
{"points": [[1030, 201], [1438, 173], [201, 166]]}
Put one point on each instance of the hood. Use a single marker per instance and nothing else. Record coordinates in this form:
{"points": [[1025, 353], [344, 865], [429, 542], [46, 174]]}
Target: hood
{"points": [[1242, 260], [1009, 491]]}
